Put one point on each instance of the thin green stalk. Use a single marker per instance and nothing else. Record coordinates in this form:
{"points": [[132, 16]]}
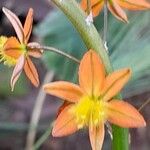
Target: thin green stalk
{"points": [[92, 40], [44, 137], [144, 104], [55, 50], [35, 117], [105, 22]]}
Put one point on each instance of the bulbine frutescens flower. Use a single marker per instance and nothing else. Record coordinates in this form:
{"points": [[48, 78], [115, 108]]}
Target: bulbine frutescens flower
{"points": [[91, 103], [16, 52], [116, 7]]}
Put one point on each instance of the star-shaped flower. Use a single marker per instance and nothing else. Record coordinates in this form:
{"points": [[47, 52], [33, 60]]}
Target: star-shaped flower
{"points": [[18, 50], [116, 7], [91, 103]]}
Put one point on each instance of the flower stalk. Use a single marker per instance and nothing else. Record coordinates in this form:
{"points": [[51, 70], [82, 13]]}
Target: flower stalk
{"points": [[105, 23], [55, 50]]}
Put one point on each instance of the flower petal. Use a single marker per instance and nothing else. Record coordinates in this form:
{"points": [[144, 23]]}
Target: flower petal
{"points": [[117, 11], [28, 25], [65, 123], [96, 134], [12, 48], [123, 114], [65, 90], [134, 4], [62, 107], [115, 82], [96, 6], [91, 73], [17, 71], [15, 23], [31, 72]]}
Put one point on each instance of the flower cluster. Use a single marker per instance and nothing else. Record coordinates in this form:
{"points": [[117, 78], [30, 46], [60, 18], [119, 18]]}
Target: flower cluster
{"points": [[90, 104]]}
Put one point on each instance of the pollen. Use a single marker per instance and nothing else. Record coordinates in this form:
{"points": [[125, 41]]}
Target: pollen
{"points": [[3, 40], [89, 111], [9, 57], [9, 61]]}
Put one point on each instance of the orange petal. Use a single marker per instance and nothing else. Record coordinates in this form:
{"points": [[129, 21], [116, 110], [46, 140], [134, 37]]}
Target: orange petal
{"points": [[96, 6], [33, 50], [117, 11], [12, 48], [123, 114], [65, 123], [96, 134], [115, 82], [91, 73], [134, 4], [65, 90], [62, 107], [31, 72], [28, 25], [15, 23], [17, 71]]}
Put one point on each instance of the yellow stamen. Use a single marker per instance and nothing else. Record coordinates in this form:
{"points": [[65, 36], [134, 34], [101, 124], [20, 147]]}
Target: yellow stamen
{"points": [[89, 111], [3, 57], [3, 40], [10, 60]]}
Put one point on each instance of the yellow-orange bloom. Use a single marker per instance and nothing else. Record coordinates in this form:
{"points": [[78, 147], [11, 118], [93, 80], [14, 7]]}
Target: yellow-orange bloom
{"points": [[8, 60], [116, 7], [16, 52], [91, 103]]}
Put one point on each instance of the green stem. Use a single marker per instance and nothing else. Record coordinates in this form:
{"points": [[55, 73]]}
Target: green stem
{"points": [[55, 50], [105, 22], [44, 137], [144, 104], [93, 41], [120, 138]]}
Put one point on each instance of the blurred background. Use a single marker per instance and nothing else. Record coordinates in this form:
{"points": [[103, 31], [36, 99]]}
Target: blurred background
{"points": [[128, 45]]}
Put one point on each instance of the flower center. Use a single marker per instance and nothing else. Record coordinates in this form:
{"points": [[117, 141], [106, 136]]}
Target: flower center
{"points": [[3, 56], [10, 56], [90, 111]]}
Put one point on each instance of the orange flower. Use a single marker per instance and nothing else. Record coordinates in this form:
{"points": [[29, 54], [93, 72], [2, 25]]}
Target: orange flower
{"points": [[91, 103], [115, 7], [16, 52]]}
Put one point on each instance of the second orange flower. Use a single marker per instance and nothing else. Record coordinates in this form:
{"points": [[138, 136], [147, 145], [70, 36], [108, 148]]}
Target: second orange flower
{"points": [[116, 7], [91, 103]]}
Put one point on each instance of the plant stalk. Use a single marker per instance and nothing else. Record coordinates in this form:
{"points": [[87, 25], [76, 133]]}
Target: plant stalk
{"points": [[105, 22], [55, 50], [36, 113]]}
